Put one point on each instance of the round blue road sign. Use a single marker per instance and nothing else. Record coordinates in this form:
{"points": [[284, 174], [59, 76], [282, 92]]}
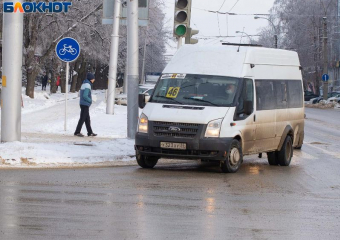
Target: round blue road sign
{"points": [[325, 77], [67, 49]]}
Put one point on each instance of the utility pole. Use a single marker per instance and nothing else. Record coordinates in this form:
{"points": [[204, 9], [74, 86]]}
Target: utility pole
{"points": [[125, 77], [113, 59], [144, 56], [325, 58], [275, 39], [338, 57], [11, 76], [133, 71]]}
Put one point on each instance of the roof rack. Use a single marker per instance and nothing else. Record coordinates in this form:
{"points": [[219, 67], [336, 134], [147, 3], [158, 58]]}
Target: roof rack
{"points": [[242, 45]]}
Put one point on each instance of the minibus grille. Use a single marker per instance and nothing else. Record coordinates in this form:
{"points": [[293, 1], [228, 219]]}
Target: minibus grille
{"points": [[179, 130]]}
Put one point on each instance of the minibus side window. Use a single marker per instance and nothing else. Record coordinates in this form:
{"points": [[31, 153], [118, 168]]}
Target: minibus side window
{"points": [[281, 94], [265, 95], [295, 94], [247, 95]]}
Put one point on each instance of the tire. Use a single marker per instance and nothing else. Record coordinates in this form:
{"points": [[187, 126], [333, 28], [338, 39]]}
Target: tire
{"points": [[273, 158], [234, 159], [286, 153], [146, 162]]}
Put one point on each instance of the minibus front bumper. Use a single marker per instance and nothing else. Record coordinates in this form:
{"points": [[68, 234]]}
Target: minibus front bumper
{"points": [[196, 148]]}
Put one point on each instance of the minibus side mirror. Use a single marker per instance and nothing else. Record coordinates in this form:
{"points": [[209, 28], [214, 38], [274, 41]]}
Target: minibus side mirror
{"points": [[248, 107], [147, 97], [141, 101]]}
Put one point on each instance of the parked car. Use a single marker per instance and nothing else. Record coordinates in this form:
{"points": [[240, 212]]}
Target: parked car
{"points": [[333, 94], [329, 95], [146, 89], [309, 95], [335, 99], [316, 100]]}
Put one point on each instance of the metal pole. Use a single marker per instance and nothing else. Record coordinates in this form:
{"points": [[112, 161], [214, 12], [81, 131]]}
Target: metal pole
{"points": [[113, 59], [144, 54], [11, 76], [325, 58], [338, 58], [179, 44], [133, 72], [275, 39], [66, 92], [125, 76]]}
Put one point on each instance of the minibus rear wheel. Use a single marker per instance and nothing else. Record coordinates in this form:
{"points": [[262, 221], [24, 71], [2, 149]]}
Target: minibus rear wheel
{"points": [[234, 158], [145, 161], [286, 153]]}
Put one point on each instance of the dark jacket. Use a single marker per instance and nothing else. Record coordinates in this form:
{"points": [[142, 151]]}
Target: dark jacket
{"points": [[44, 80], [85, 93]]}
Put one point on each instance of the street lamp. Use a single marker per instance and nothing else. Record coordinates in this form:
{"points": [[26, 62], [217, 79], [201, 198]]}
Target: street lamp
{"points": [[275, 36], [251, 41]]}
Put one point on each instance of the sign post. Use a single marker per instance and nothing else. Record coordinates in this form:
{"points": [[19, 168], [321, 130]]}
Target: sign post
{"points": [[67, 50], [325, 78]]}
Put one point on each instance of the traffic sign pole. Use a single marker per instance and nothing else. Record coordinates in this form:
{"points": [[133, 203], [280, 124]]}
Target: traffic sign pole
{"points": [[325, 58], [67, 50], [66, 92]]}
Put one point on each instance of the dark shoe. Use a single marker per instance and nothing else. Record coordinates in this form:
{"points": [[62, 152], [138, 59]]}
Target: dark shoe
{"points": [[78, 135], [92, 134]]}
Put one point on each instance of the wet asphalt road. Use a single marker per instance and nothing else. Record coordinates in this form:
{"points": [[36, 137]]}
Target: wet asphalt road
{"points": [[183, 201]]}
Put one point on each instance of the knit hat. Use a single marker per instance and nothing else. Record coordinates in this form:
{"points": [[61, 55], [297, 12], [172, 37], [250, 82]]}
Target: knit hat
{"points": [[90, 76]]}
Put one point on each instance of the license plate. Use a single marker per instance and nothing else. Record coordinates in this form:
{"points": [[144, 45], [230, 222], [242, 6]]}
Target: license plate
{"points": [[181, 146]]}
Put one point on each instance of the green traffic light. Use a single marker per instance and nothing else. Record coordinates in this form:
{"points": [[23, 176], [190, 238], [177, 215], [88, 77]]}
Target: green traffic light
{"points": [[181, 30]]}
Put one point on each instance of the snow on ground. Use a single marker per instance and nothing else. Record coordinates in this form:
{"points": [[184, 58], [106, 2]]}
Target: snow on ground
{"points": [[45, 143]]}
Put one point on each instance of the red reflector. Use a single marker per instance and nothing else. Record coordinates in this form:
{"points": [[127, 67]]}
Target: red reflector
{"points": [[232, 124]]}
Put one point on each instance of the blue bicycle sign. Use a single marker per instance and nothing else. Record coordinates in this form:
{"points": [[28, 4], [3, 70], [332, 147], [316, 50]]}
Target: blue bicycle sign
{"points": [[68, 49]]}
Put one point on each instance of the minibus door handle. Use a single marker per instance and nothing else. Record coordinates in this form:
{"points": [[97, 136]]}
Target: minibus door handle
{"points": [[254, 117]]}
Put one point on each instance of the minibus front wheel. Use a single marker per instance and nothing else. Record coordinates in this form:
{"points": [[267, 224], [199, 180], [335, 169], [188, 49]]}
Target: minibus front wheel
{"points": [[233, 158], [145, 161]]}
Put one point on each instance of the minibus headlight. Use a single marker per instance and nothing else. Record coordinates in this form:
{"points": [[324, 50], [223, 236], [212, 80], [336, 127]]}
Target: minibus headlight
{"points": [[213, 129], [143, 124]]}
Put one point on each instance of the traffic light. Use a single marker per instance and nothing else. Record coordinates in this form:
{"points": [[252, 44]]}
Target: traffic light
{"points": [[182, 17], [190, 33]]}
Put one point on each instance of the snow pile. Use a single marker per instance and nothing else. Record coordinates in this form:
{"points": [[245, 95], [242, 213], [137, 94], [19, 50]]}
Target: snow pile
{"points": [[46, 143]]}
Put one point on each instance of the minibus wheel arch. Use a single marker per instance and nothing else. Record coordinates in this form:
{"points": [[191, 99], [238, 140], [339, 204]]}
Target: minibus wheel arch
{"points": [[238, 138], [287, 132]]}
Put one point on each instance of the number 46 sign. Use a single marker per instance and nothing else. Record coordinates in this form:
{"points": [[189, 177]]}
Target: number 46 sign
{"points": [[173, 92]]}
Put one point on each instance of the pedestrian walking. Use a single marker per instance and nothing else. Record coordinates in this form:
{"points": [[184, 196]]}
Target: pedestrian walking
{"points": [[85, 103], [58, 82], [44, 81]]}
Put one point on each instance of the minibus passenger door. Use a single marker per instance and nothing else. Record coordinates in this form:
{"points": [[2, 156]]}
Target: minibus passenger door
{"points": [[265, 115], [245, 116]]}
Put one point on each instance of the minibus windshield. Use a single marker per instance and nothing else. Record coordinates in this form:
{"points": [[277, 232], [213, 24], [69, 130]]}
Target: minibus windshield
{"points": [[191, 89]]}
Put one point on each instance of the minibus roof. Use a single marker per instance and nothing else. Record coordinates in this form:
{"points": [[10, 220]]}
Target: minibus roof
{"points": [[226, 60]]}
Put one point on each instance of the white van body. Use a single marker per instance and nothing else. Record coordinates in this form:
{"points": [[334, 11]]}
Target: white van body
{"points": [[265, 129]]}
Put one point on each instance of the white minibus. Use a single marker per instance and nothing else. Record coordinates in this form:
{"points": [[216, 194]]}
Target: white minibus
{"points": [[219, 103]]}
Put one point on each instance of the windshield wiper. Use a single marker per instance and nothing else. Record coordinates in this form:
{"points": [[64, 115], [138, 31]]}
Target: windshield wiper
{"points": [[201, 100], [170, 99]]}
